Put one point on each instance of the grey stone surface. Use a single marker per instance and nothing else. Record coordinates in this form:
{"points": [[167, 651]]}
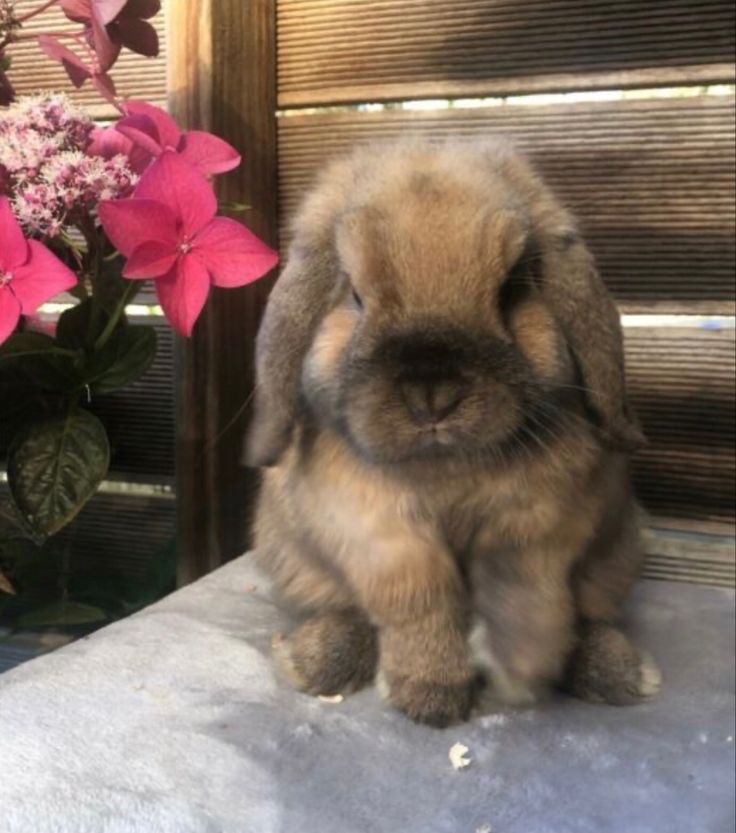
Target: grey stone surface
{"points": [[172, 721]]}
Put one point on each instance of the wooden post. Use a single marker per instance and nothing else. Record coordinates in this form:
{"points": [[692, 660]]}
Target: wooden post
{"points": [[223, 78]]}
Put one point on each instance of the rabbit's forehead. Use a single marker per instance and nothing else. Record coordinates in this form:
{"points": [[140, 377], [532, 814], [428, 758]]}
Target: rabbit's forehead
{"points": [[430, 239]]}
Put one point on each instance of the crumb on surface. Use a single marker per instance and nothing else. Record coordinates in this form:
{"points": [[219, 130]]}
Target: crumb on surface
{"points": [[331, 698], [458, 756], [251, 588]]}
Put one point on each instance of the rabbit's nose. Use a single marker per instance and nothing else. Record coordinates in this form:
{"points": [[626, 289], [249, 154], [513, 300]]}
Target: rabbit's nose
{"points": [[432, 401]]}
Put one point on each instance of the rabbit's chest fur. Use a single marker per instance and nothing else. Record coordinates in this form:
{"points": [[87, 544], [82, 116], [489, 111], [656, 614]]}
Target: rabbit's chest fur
{"points": [[349, 509]]}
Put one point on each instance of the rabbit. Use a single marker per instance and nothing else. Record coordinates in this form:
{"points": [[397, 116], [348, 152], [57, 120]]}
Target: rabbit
{"points": [[442, 418]]}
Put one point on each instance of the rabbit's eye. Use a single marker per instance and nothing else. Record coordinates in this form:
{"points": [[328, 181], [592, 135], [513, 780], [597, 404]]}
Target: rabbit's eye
{"points": [[357, 299], [515, 287]]}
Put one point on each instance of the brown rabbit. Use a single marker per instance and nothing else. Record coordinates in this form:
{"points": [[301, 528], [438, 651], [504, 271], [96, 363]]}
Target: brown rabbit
{"points": [[441, 407]]}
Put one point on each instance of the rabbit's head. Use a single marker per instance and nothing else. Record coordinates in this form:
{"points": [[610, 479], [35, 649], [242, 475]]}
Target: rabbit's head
{"points": [[437, 302]]}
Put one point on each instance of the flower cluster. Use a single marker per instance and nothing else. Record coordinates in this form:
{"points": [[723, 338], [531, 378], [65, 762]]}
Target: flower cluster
{"points": [[46, 167], [106, 27], [70, 186], [142, 184], [37, 128]]}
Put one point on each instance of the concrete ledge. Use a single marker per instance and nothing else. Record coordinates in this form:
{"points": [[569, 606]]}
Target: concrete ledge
{"points": [[172, 722]]}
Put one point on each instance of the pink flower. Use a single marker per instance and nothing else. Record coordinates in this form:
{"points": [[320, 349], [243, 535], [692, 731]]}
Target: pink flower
{"points": [[108, 26], [168, 231], [108, 143], [131, 29], [155, 131], [29, 274], [116, 23], [78, 71]]}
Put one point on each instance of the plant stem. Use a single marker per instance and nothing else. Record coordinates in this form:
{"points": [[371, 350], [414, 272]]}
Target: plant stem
{"points": [[130, 290], [37, 11]]}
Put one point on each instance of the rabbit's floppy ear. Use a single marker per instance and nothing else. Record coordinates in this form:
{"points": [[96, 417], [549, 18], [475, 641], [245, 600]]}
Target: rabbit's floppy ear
{"points": [[296, 305], [590, 321]]}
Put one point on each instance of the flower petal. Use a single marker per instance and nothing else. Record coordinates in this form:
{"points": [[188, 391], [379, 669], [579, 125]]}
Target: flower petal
{"points": [[80, 11], [130, 223], [105, 86], [137, 35], [108, 10], [9, 312], [182, 293], [108, 142], [142, 131], [150, 260], [208, 152], [107, 52], [168, 130], [141, 8], [41, 278], [13, 246], [76, 69], [232, 254], [174, 182]]}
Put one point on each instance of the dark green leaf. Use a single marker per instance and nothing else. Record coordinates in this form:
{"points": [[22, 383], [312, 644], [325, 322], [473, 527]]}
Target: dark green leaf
{"points": [[45, 368], [109, 285], [62, 613], [76, 327], [28, 342], [124, 359], [54, 468]]}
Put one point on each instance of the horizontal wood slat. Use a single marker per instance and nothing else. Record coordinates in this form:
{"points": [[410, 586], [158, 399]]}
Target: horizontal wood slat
{"points": [[134, 75], [678, 554], [682, 383], [337, 51], [652, 181]]}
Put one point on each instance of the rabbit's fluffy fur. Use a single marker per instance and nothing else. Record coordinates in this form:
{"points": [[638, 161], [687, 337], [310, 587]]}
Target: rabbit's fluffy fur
{"points": [[442, 412]]}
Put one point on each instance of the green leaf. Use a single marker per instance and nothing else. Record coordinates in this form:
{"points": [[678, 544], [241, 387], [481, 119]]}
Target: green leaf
{"points": [[54, 468], [74, 329], [124, 359], [28, 342], [109, 286], [34, 354], [61, 613]]}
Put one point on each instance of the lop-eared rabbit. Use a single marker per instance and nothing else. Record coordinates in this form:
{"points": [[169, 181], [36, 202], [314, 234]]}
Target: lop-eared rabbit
{"points": [[442, 415]]}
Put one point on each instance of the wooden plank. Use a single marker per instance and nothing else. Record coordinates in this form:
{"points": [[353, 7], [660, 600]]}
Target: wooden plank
{"points": [[652, 181], [351, 50], [676, 553], [681, 382], [231, 90], [134, 75]]}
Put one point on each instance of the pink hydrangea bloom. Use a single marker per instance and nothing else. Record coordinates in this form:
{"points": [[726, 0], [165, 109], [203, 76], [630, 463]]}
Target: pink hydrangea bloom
{"points": [[155, 131], [38, 127], [108, 142], [46, 169], [168, 231], [29, 273], [70, 185]]}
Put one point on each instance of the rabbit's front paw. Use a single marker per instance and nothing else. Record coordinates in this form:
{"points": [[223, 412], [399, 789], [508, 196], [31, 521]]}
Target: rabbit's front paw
{"points": [[332, 653], [608, 668], [434, 703]]}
